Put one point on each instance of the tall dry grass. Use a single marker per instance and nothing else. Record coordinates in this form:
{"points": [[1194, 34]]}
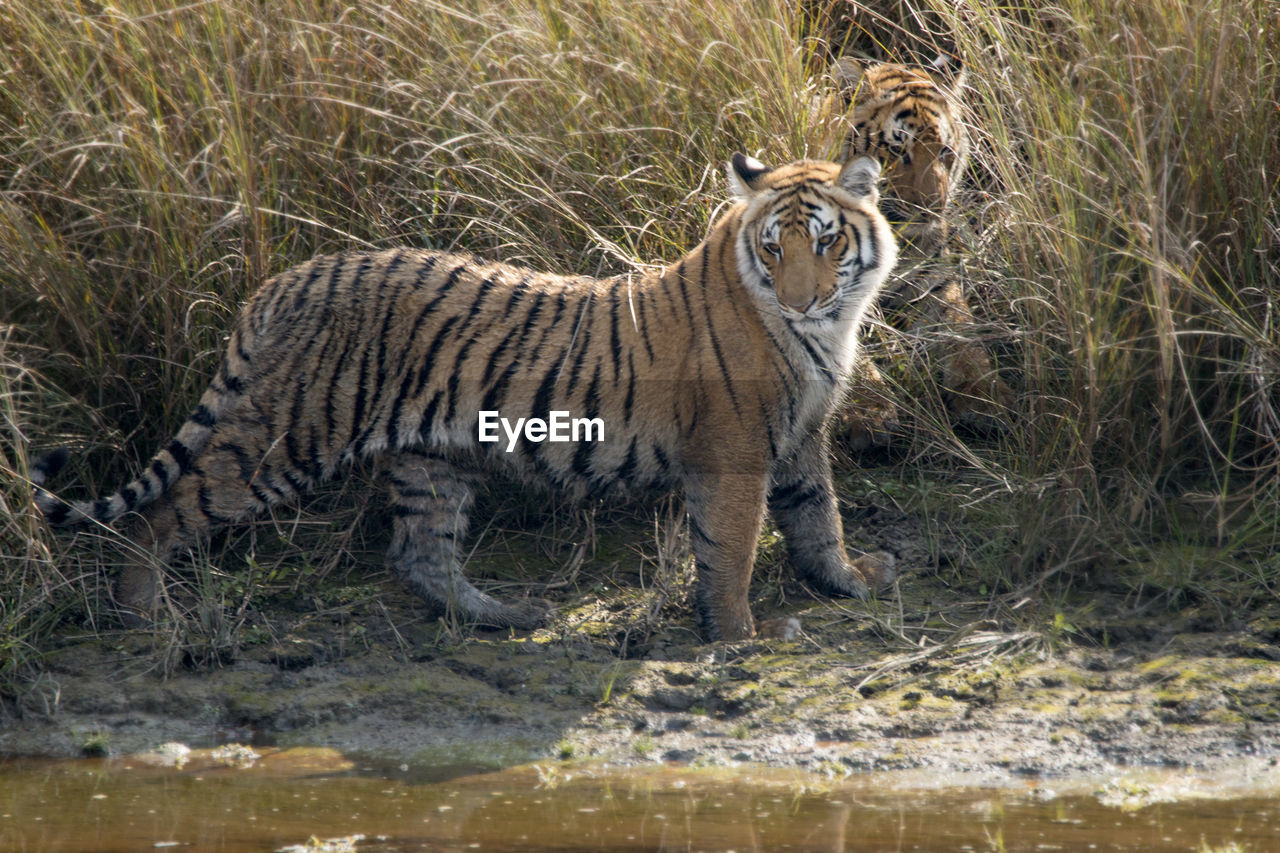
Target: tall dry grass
{"points": [[1138, 263], [158, 162], [1124, 247]]}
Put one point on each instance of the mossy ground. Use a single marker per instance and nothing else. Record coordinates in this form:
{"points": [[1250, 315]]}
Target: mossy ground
{"points": [[930, 675]]}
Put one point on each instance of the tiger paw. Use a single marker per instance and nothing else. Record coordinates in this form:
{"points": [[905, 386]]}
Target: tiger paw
{"points": [[782, 628], [520, 615], [976, 396], [856, 578], [982, 407], [866, 426], [137, 594], [877, 570]]}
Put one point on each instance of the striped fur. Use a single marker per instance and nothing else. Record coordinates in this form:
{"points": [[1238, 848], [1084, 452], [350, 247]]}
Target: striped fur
{"points": [[911, 119], [716, 375]]}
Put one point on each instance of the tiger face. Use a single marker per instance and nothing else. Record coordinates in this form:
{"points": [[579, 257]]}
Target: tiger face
{"points": [[805, 250], [909, 119]]}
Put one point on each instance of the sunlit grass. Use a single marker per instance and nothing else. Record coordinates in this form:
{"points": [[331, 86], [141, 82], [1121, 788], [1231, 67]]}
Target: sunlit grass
{"points": [[1139, 257]]}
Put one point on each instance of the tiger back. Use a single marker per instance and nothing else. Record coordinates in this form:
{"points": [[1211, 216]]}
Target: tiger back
{"points": [[716, 376]]}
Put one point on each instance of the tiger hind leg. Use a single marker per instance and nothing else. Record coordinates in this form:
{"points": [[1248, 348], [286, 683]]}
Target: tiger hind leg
{"points": [[240, 474], [430, 500]]}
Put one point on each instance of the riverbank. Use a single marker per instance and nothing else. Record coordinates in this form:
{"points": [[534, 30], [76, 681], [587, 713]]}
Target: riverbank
{"points": [[848, 696]]}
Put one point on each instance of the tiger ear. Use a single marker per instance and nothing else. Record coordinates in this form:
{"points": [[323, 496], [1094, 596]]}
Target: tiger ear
{"points": [[861, 177], [947, 70], [846, 75], [745, 174]]}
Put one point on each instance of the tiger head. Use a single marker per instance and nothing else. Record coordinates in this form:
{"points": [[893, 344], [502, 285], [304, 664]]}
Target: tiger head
{"points": [[813, 245], [909, 119]]}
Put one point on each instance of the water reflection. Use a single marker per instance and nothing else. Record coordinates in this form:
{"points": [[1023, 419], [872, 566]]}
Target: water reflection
{"points": [[287, 797]]}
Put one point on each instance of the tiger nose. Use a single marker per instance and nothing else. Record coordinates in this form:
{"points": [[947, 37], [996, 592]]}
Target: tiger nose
{"points": [[800, 307]]}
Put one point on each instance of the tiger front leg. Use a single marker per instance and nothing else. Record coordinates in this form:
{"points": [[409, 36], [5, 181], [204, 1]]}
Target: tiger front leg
{"points": [[976, 395], [868, 416], [802, 501], [725, 515], [430, 500]]}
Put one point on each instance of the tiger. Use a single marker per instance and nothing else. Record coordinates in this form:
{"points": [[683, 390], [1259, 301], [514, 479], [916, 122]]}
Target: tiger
{"points": [[911, 119], [715, 376]]}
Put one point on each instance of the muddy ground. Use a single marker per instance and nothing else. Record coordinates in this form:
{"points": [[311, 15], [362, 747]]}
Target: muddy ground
{"points": [[935, 675]]}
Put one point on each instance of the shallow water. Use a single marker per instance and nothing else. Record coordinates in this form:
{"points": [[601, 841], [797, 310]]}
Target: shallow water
{"points": [[287, 797]]}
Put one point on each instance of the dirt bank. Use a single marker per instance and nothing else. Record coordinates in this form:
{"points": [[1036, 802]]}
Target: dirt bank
{"points": [[935, 675], [843, 698]]}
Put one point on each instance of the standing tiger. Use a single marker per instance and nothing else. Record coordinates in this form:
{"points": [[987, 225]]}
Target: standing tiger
{"points": [[911, 119], [717, 376]]}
